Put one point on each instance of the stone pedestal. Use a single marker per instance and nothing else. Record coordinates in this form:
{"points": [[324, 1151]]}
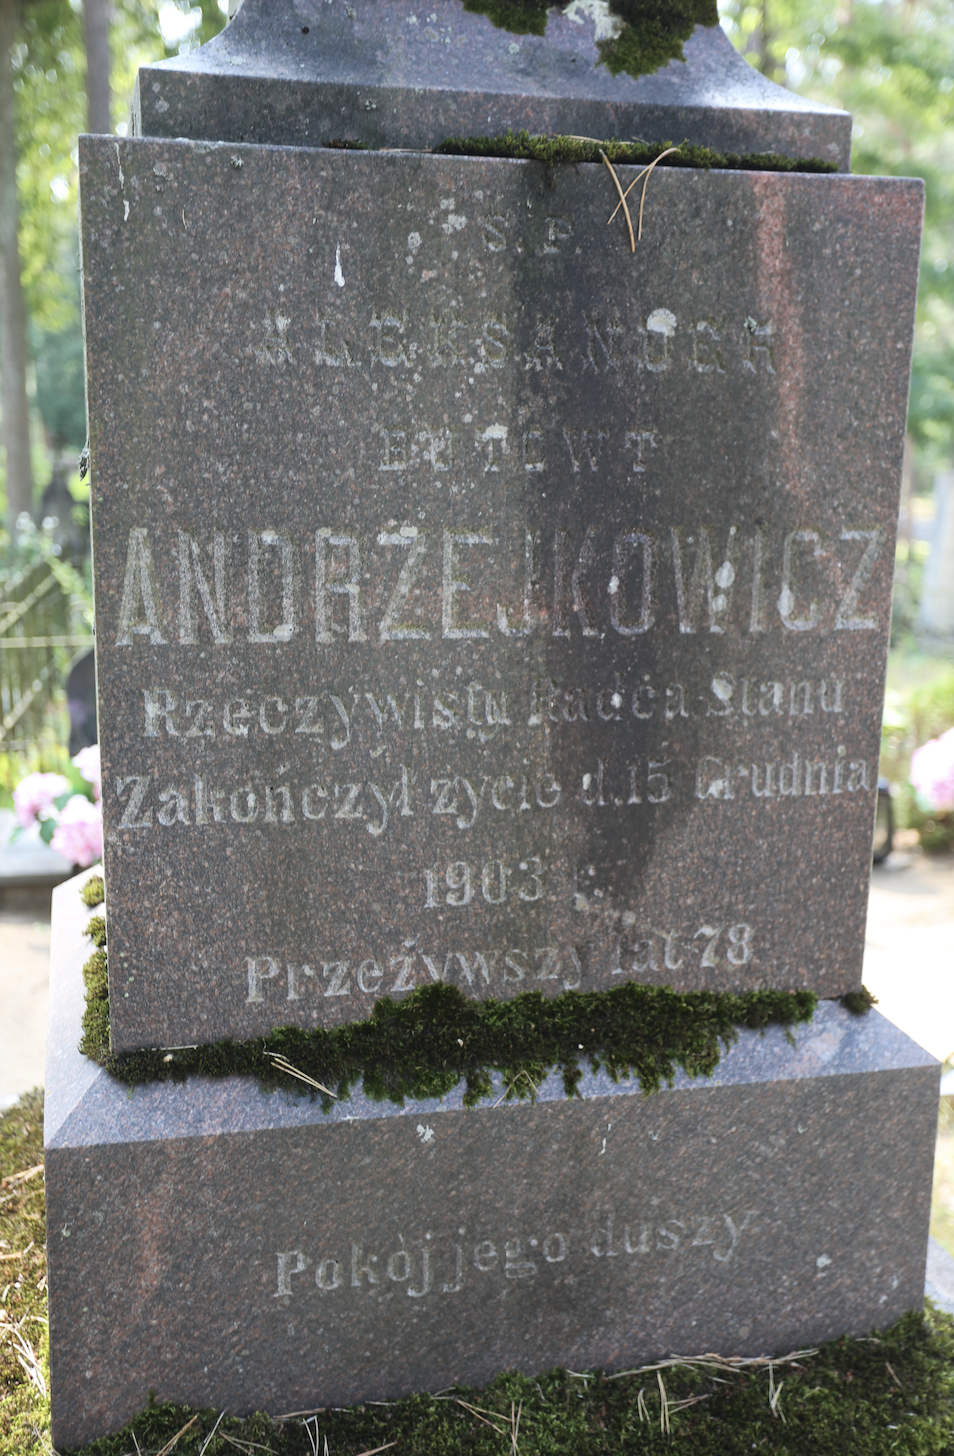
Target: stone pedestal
{"points": [[242, 1251]]}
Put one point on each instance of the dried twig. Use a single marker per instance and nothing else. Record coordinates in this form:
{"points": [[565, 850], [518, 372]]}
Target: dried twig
{"points": [[642, 1409], [22, 1176], [893, 1376], [622, 200], [376, 1449]]}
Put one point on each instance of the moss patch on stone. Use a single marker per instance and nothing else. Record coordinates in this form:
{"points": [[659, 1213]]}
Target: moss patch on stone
{"points": [[859, 1002], [652, 31], [93, 892], [891, 1392], [556, 151], [435, 1038]]}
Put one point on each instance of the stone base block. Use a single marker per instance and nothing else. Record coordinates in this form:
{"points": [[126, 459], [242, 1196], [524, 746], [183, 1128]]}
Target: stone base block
{"points": [[231, 1249]]}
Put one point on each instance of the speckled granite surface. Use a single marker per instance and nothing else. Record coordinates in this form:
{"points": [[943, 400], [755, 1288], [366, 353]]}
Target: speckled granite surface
{"points": [[299, 72], [228, 1248], [476, 598]]}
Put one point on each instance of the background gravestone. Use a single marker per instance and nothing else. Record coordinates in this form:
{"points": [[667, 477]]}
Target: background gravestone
{"points": [[478, 600]]}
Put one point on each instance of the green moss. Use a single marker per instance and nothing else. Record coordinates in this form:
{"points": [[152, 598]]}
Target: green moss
{"points": [[424, 1045], [96, 930], [652, 32], [558, 150], [95, 1033], [520, 17], [93, 892], [892, 1392], [858, 1002]]}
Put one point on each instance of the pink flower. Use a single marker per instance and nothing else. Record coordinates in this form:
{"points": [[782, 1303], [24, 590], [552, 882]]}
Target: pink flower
{"points": [[87, 761], [79, 832], [33, 796], [932, 772]]}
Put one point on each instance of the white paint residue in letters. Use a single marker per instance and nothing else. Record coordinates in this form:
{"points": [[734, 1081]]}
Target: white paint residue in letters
{"points": [[339, 275], [662, 321]]}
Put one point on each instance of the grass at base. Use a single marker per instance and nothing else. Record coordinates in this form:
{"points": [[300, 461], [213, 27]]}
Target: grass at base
{"points": [[893, 1392], [24, 1401]]}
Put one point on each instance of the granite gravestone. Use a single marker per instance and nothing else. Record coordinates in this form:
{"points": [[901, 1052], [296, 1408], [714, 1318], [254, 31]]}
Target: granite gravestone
{"points": [[245, 1252], [480, 600]]}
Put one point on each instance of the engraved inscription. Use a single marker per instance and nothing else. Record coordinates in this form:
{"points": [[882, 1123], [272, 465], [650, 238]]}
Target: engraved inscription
{"points": [[427, 1265], [414, 584]]}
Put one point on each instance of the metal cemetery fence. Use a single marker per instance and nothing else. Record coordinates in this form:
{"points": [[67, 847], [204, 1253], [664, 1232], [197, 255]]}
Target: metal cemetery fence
{"points": [[42, 633]]}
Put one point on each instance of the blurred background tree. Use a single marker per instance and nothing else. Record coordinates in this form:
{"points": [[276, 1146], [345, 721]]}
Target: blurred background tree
{"points": [[892, 66], [66, 66]]}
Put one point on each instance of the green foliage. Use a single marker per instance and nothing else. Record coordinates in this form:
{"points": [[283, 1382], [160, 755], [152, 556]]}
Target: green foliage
{"points": [[60, 381], [892, 66], [50, 80], [651, 35], [556, 151]]}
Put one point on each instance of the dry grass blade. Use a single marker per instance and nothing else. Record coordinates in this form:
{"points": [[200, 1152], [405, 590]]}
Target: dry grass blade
{"points": [[774, 1393], [19, 1253], [893, 1376], [43, 1440], [513, 1084], [680, 1405], [732, 1363], [622, 200], [476, 1411], [374, 1451], [307, 1415], [663, 1405], [170, 1445], [642, 200], [212, 1433], [642, 1409], [244, 1445], [29, 1359], [282, 1064], [642, 196], [22, 1176], [515, 1424]]}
